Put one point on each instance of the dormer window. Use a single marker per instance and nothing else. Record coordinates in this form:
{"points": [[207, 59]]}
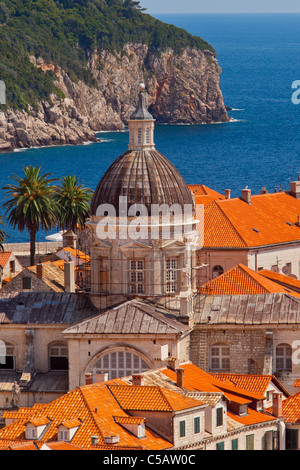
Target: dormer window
{"points": [[36, 427], [67, 429], [243, 410], [133, 424]]}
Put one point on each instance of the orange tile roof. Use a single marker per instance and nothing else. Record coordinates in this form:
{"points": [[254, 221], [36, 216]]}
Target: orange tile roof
{"points": [[38, 421], [269, 219], [96, 407], [252, 417], [151, 398], [252, 382], [296, 383], [4, 257], [202, 190], [282, 279], [196, 379], [204, 195], [241, 280], [129, 420], [67, 249], [290, 408]]}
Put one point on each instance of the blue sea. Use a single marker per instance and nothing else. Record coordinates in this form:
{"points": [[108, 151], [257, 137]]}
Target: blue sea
{"points": [[260, 59]]}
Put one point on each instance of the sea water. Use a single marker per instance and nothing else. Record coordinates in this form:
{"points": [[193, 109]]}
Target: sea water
{"points": [[260, 60]]}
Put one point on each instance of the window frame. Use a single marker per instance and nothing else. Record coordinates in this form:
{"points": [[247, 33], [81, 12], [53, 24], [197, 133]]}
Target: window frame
{"points": [[219, 361], [217, 270], [10, 352], [250, 442], [219, 416], [136, 276], [171, 275], [182, 429], [116, 363], [62, 358], [27, 279], [286, 358], [197, 425]]}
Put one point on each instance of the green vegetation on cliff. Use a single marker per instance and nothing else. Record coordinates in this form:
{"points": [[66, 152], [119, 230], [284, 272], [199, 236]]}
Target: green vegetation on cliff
{"points": [[64, 32]]}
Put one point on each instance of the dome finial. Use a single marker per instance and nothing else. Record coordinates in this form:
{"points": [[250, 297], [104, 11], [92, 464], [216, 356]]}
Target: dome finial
{"points": [[141, 112]]}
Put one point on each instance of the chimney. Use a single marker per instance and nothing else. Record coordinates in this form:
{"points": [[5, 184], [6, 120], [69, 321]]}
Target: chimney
{"points": [[70, 239], [88, 378], [94, 440], [69, 270], [180, 377], [263, 190], [227, 193], [173, 363], [246, 195], [295, 189], [137, 379], [277, 405], [40, 270]]}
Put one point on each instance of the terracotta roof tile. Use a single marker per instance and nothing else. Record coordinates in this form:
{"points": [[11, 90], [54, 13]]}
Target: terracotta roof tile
{"points": [[151, 398], [282, 279], [290, 408], [95, 407], [195, 379], [269, 219], [241, 280], [4, 257], [252, 382]]}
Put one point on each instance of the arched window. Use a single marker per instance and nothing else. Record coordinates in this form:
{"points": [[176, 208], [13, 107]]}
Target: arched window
{"points": [[283, 357], [220, 357], [7, 355], [58, 356], [217, 271], [120, 364]]}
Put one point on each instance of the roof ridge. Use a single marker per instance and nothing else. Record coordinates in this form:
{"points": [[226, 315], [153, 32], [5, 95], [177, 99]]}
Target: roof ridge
{"points": [[162, 392], [254, 275], [84, 387], [236, 231]]}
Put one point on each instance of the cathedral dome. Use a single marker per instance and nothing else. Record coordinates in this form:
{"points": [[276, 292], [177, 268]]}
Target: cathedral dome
{"points": [[144, 177], [142, 174]]}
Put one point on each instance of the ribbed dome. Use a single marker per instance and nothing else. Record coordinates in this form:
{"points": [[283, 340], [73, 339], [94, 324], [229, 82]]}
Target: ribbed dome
{"points": [[145, 177]]}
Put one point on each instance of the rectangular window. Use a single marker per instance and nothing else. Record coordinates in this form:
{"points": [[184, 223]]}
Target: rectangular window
{"points": [[292, 439], [181, 428], [12, 266], [220, 446], [235, 444], [136, 277], [26, 283], [219, 416], [220, 358], [250, 442], [171, 275], [197, 425]]}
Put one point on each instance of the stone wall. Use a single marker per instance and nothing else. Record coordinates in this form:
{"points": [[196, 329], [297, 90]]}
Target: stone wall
{"points": [[247, 348]]}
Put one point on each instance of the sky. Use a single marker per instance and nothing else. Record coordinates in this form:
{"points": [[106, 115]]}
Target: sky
{"points": [[221, 6]]}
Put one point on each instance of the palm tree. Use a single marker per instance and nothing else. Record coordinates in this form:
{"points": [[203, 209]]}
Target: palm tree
{"points": [[72, 203], [3, 235], [31, 204]]}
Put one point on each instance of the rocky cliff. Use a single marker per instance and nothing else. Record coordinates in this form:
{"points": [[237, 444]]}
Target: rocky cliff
{"points": [[181, 88]]}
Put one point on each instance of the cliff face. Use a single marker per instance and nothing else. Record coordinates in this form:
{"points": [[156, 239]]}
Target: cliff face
{"points": [[180, 89]]}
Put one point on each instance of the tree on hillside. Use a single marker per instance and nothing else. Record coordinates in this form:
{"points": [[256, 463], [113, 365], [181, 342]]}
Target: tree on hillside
{"points": [[72, 203], [3, 235], [30, 204]]}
